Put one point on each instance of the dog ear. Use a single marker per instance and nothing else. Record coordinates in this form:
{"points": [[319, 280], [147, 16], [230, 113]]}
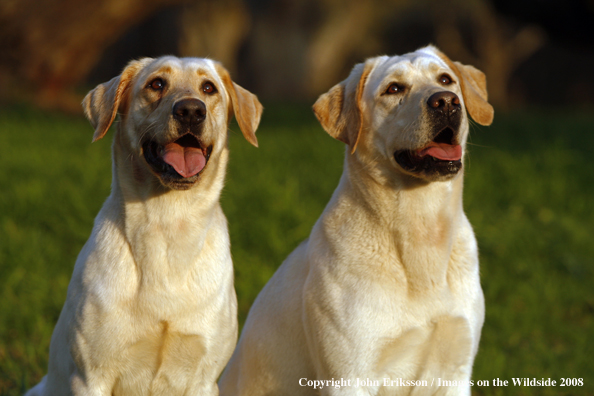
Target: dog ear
{"points": [[339, 109], [474, 90], [245, 105], [101, 104]]}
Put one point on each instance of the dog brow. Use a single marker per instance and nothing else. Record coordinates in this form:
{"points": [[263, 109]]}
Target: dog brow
{"points": [[164, 69]]}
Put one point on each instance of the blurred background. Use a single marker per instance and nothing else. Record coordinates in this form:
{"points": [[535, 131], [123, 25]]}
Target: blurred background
{"points": [[533, 51], [529, 178]]}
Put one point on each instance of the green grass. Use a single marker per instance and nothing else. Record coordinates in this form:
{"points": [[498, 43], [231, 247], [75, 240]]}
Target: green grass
{"points": [[528, 192]]}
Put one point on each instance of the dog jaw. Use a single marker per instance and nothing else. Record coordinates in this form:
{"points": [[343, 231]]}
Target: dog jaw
{"points": [[177, 164]]}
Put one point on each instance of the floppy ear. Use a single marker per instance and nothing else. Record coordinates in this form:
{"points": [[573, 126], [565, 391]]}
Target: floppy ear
{"points": [[339, 109], [101, 105], [245, 105], [474, 90]]}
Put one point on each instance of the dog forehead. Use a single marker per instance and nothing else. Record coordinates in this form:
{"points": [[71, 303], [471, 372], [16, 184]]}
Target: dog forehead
{"points": [[200, 66], [421, 63], [182, 68]]}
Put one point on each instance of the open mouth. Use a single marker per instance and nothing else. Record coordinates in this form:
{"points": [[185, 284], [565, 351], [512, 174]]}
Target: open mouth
{"points": [[181, 160], [441, 157]]}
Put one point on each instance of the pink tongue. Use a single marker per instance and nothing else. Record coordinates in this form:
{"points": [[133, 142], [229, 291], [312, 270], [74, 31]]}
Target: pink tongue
{"points": [[187, 161], [442, 151]]}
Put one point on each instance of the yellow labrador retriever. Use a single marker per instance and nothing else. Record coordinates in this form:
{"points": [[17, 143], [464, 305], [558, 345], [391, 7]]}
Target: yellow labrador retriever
{"points": [[151, 308], [384, 297]]}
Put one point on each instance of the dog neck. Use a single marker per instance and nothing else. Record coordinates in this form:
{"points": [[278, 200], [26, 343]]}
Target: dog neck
{"points": [[411, 223], [166, 229]]}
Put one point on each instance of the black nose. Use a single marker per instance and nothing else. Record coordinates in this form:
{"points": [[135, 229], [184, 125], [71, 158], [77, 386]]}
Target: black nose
{"points": [[444, 102], [189, 111]]}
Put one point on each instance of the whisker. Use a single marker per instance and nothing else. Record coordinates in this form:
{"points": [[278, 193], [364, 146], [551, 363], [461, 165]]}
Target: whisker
{"points": [[477, 145]]}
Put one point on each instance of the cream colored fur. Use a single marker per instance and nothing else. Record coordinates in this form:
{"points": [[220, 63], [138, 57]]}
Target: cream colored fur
{"points": [[151, 308], [387, 284]]}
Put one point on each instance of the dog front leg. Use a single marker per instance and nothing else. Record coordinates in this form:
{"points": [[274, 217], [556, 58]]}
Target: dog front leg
{"points": [[92, 385], [339, 352]]}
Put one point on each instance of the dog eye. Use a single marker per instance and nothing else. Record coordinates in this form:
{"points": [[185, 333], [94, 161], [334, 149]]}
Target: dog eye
{"points": [[208, 88], [157, 84], [394, 89], [445, 79]]}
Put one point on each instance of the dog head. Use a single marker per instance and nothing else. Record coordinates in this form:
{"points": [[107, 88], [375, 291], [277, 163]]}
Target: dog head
{"points": [[174, 116], [407, 113]]}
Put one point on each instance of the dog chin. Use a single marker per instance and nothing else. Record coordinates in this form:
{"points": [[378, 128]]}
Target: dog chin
{"points": [[427, 167], [177, 182]]}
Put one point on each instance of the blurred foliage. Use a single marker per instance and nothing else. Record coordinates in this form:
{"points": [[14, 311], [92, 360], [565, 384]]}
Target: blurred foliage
{"points": [[287, 49], [528, 191]]}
